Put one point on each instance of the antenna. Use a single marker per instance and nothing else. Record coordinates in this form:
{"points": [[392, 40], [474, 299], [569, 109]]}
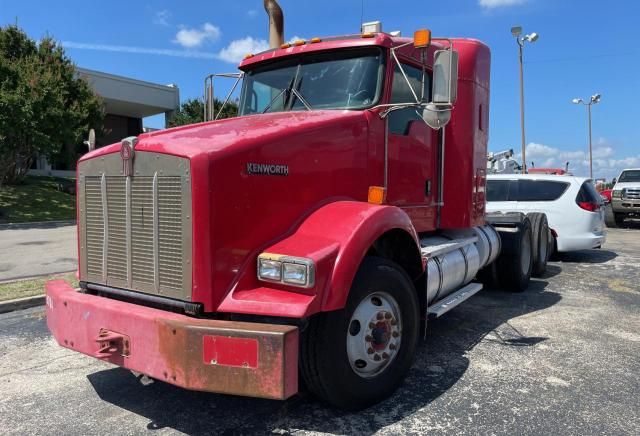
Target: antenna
{"points": [[361, 13]]}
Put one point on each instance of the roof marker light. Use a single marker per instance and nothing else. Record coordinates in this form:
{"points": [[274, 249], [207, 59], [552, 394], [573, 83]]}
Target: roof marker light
{"points": [[422, 38], [299, 42], [285, 45], [315, 40]]}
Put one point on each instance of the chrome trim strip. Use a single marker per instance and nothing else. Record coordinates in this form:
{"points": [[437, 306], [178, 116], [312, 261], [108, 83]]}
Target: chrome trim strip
{"points": [[156, 226], [105, 224], [128, 229]]}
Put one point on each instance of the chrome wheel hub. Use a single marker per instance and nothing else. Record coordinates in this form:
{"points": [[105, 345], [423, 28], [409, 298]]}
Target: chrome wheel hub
{"points": [[374, 335]]}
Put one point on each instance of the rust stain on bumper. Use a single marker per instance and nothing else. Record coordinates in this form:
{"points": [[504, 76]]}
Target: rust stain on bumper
{"points": [[169, 346]]}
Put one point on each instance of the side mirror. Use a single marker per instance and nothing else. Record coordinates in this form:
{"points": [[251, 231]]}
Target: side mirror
{"points": [[445, 77], [445, 89], [91, 141]]}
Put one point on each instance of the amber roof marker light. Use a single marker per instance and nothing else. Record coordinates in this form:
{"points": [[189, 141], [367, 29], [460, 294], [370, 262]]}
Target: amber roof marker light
{"points": [[422, 38]]}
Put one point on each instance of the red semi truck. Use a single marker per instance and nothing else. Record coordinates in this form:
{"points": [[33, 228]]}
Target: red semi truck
{"points": [[312, 236]]}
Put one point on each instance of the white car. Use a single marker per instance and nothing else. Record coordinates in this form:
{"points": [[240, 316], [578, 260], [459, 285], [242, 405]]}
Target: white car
{"points": [[574, 209]]}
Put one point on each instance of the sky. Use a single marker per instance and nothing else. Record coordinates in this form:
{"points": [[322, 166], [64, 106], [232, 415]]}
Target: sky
{"points": [[585, 47]]}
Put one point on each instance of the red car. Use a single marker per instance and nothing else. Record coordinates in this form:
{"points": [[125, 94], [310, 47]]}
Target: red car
{"points": [[606, 195]]}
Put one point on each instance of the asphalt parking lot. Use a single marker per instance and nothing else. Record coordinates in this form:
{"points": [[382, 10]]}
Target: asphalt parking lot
{"points": [[561, 358]]}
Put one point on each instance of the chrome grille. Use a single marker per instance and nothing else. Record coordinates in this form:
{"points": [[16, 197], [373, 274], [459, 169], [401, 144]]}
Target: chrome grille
{"points": [[136, 231], [632, 193]]}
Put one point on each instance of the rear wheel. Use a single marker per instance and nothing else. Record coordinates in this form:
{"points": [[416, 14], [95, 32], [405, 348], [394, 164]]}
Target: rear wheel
{"points": [[355, 357], [516, 259], [540, 242]]}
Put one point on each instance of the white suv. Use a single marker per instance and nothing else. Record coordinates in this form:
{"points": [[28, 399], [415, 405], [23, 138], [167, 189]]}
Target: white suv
{"points": [[574, 209]]}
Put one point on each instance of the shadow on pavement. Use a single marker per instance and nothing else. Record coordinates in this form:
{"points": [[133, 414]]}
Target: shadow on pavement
{"points": [[586, 256], [440, 362]]}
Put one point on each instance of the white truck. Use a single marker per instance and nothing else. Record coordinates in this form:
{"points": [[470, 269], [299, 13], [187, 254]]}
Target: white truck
{"points": [[625, 198]]}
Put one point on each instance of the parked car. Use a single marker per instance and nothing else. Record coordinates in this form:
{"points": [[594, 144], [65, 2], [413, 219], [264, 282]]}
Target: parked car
{"points": [[625, 198], [574, 210]]}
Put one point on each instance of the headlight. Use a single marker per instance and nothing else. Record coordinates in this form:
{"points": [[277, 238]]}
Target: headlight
{"points": [[617, 194], [269, 269], [296, 271]]}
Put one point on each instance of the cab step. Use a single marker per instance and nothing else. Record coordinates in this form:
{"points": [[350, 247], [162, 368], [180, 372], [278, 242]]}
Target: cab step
{"points": [[451, 301]]}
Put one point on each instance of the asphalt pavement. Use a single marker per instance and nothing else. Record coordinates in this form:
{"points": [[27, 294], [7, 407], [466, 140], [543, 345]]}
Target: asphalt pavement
{"points": [[561, 358], [29, 250]]}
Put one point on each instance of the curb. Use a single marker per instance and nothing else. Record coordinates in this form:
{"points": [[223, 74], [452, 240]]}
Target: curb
{"points": [[37, 224], [21, 303], [39, 276]]}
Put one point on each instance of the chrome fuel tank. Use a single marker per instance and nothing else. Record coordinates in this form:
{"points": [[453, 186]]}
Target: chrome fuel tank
{"points": [[470, 250]]}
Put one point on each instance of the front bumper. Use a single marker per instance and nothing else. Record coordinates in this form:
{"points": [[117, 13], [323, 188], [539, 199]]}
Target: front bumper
{"points": [[239, 358], [625, 205]]}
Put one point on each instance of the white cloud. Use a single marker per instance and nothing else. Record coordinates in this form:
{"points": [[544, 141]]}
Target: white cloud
{"points": [[238, 49], [492, 4], [190, 38], [605, 164], [162, 17]]}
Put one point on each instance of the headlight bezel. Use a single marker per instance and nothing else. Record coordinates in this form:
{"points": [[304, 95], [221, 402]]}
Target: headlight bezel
{"points": [[617, 193], [291, 261]]}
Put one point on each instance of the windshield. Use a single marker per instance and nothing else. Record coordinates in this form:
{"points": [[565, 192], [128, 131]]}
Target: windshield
{"points": [[630, 176], [336, 80]]}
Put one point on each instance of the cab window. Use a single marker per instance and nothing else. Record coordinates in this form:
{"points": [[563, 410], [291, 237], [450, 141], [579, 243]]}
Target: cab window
{"points": [[401, 93]]}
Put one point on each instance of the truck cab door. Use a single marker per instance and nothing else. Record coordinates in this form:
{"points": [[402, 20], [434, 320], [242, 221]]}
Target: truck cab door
{"points": [[412, 147]]}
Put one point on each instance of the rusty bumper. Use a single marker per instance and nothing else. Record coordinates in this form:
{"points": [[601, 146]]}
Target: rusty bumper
{"points": [[257, 360]]}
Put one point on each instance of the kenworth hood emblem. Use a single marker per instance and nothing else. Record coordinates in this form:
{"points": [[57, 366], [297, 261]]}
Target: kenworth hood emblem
{"points": [[127, 151]]}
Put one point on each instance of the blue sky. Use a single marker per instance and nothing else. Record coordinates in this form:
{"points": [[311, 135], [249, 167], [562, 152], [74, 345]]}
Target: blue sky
{"points": [[585, 46]]}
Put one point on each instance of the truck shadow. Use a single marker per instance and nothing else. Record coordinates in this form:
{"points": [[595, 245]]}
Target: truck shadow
{"points": [[440, 363]]}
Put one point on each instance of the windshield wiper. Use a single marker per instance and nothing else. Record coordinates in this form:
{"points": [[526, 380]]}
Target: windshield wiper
{"points": [[286, 91], [300, 97]]}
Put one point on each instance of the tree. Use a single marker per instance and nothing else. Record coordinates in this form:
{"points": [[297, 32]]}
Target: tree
{"points": [[44, 106], [192, 111]]}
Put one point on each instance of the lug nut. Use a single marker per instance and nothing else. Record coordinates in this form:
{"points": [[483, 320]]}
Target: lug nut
{"points": [[368, 338], [393, 321], [380, 315], [369, 350], [395, 334], [385, 356], [392, 346], [372, 325], [376, 357], [387, 315]]}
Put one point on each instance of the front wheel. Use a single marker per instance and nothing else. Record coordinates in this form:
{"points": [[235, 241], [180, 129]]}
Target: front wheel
{"points": [[357, 356]]}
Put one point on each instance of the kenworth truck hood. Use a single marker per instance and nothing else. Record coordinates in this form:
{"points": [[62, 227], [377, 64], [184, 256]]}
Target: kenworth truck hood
{"points": [[254, 179]]}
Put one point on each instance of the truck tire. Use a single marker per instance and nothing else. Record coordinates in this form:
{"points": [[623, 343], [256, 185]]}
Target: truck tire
{"points": [[540, 242], [609, 217], [359, 355], [516, 259]]}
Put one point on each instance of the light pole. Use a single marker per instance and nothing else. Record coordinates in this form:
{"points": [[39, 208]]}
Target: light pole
{"points": [[595, 99], [521, 40]]}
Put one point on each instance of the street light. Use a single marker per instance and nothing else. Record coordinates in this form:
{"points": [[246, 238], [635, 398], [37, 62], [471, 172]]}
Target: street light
{"points": [[516, 31], [595, 99]]}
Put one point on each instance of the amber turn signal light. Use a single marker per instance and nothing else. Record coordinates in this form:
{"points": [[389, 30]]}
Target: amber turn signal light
{"points": [[422, 38], [377, 195]]}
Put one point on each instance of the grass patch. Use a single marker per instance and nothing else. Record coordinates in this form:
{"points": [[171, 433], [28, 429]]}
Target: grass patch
{"points": [[29, 288], [37, 199]]}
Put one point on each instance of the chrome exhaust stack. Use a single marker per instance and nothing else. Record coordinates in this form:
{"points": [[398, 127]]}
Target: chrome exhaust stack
{"points": [[276, 23]]}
